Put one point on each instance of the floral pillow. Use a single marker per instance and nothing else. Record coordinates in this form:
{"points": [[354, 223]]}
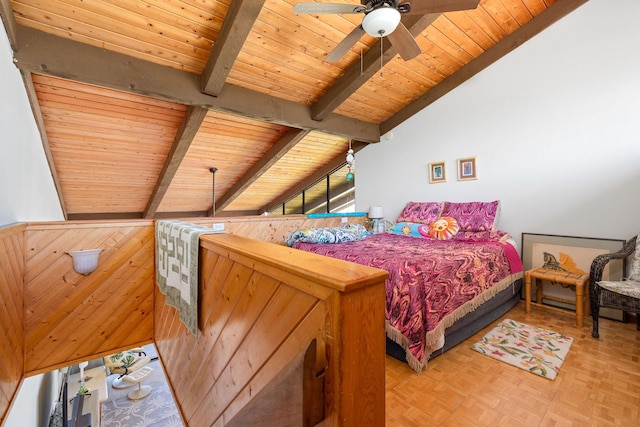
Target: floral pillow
{"points": [[410, 229], [420, 212], [443, 228], [474, 216], [345, 233], [440, 229]]}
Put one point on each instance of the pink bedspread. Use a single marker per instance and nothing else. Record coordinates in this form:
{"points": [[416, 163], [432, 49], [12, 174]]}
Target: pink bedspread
{"points": [[431, 283]]}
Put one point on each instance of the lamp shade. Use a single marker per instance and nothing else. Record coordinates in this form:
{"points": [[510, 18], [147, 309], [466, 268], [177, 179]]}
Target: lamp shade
{"points": [[381, 22], [376, 212], [85, 261]]}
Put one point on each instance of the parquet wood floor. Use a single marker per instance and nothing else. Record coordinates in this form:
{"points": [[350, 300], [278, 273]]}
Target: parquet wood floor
{"points": [[598, 384]]}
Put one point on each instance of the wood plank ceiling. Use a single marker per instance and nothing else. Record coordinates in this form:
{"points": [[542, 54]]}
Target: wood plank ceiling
{"points": [[137, 99]]}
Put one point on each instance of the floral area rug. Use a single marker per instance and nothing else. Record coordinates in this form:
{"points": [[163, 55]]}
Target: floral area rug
{"points": [[536, 350], [158, 409]]}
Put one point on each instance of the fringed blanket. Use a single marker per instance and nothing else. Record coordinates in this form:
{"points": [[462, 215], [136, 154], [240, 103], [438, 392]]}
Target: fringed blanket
{"points": [[432, 283], [177, 245]]}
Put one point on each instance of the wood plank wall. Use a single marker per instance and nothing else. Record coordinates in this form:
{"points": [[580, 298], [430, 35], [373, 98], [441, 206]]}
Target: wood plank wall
{"points": [[273, 229], [54, 317], [12, 316], [71, 317], [260, 306]]}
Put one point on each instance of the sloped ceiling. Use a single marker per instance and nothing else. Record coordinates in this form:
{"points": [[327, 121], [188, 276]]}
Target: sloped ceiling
{"points": [[137, 100]]}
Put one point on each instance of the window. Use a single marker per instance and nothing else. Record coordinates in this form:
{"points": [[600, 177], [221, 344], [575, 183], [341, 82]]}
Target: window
{"points": [[333, 193]]}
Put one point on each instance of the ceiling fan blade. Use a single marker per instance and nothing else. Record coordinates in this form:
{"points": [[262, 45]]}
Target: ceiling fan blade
{"points": [[404, 43], [422, 7], [346, 44], [322, 8]]}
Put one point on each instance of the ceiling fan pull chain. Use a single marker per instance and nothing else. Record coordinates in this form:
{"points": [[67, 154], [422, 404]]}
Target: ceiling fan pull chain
{"points": [[381, 52], [361, 63]]}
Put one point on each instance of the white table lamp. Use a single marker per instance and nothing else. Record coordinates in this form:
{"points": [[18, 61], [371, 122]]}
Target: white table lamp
{"points": [[376, 214]]}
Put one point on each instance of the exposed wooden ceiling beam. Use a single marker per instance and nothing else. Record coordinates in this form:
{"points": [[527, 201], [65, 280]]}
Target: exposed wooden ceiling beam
{"points": [[275, 153], [103, 216], [356, 77], [237, 25], [9, 21], [43, 53], [324, 171], [536, 25], [186, 133]]}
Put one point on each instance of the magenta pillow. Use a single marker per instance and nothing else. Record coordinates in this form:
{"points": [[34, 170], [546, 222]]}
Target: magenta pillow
{"points": [[420, 212], [474, 216]]}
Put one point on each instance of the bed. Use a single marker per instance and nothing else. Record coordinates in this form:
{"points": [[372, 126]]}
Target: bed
{"points": [[451, 272]]}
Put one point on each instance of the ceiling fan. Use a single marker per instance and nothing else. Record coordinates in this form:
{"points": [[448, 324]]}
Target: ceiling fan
{"points": [[382, 19]]}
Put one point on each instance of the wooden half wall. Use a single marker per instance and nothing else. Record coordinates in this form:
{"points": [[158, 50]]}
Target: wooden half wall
{"points": [[261, 305], [54, 317], [12, 315], [70, 317]]}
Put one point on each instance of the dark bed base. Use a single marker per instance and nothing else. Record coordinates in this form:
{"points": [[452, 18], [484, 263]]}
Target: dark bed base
{"points": [[484, 315]]}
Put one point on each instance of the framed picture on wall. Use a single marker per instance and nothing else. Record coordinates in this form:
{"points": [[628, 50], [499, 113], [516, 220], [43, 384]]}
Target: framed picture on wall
{"points": [[437, 173], [467, 169], [574, 255]]}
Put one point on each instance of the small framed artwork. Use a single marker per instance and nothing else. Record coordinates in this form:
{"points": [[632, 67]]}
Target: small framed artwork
{"points": [[467, 169], [437, 173]]}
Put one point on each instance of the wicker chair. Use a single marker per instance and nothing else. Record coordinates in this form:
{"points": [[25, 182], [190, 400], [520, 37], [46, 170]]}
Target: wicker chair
{"points": [[623, 295]]}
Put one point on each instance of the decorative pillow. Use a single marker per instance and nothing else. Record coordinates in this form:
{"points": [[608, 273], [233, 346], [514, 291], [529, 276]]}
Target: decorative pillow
{"points": [[345, 233], [474, 216], [634, 272], [410, 229], [443, 228], [420, 212]]}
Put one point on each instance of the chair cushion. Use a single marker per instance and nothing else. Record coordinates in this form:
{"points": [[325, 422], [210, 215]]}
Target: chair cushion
{"points": [[634, 271], [125, 361], [629, 288]]}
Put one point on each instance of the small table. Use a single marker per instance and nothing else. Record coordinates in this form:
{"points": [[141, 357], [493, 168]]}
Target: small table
{"points": [[96, 383], [580, 282]]}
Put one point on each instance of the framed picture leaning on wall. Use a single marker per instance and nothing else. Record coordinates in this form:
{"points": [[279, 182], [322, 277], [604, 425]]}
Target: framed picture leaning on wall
{"points": [[571, 254]]}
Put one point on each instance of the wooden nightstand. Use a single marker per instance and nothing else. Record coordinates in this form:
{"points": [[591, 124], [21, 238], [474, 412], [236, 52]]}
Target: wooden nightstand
{"points": [[580, 281]]}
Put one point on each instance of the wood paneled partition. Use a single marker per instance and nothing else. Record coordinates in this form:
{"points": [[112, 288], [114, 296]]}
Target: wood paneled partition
{"points": [[12, 315], [260, 306], [274, 229], [71, 317], [53, 316]]}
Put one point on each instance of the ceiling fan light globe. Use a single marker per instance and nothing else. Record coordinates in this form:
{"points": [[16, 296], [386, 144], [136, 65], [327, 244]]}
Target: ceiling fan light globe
{"points": [[381, 22]]}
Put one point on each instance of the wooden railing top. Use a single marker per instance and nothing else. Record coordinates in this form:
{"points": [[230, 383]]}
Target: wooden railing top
{"points": [[89, 224], [336, 274], [9, 229]]}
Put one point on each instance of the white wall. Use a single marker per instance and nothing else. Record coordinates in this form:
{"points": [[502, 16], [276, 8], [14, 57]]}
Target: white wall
{"points": [[27, 192], [555, 127], [35, 401]]}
